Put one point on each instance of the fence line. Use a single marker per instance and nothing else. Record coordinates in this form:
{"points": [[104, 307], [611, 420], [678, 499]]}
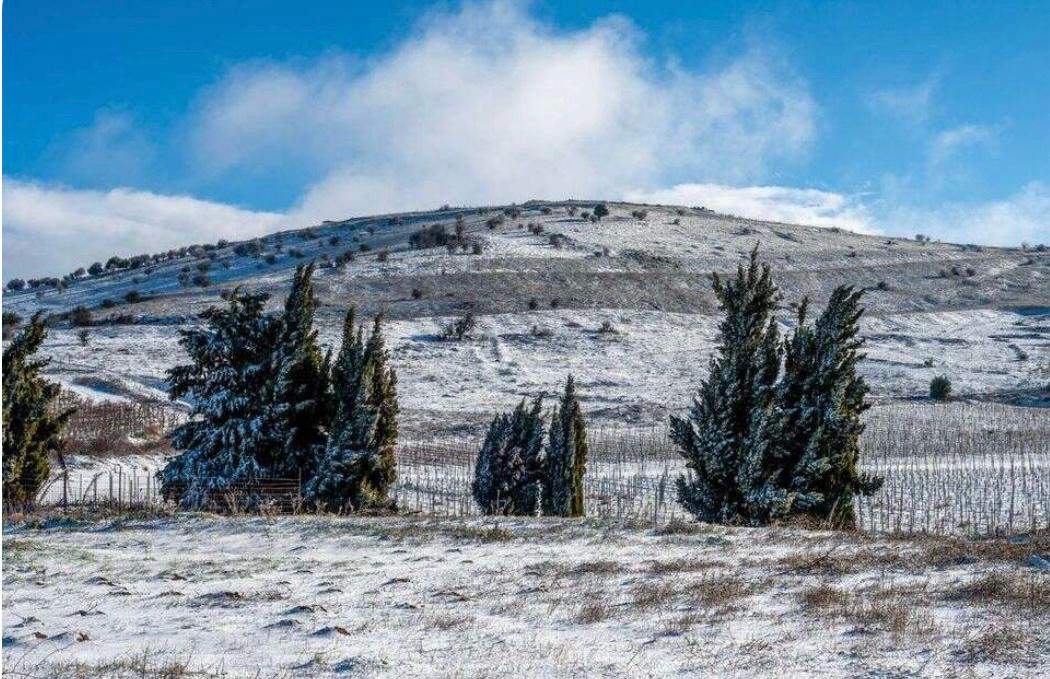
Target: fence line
{"points": [[957, 469]]}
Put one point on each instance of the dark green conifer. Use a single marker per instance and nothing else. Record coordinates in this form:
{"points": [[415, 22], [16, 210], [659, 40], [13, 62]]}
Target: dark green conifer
{"points": [[566, 458], [31, 429], [508, 469], [302, 399], [716, 437]]}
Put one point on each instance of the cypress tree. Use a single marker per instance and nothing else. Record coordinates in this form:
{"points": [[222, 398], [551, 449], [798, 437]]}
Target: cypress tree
{"points": [[820, 401], [566, 459], [381, 399], [302, 395], [336, 483], [507, 473], [228, 441], [31, 429], [716, 438]]}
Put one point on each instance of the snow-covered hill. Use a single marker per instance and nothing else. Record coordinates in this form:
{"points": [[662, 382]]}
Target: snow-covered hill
{"points": [[546, 281]]}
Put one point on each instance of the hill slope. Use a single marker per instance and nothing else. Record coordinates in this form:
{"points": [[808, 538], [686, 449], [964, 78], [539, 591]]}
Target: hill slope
{"points": [[544, 284]]}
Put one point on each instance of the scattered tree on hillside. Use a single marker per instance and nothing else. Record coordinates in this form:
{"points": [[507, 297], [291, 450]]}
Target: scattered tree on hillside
{"points": [[940, 388], [509, 465], [31, 428], [566, 458], [461, 328], [601, 210]]}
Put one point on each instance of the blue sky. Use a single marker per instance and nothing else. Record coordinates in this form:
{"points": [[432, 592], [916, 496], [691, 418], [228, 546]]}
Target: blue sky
{"points": [[135, 126]]}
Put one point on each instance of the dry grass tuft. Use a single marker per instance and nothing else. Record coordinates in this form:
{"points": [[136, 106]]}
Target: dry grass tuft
{"points": [[648, 595], [482, 533], [682, 527], [997, 643], [593, 609], [444, 622], [682, 565], [1015, 590], [945, 552], [594, 568], [890, 608], [719, 591], [823, 597]]}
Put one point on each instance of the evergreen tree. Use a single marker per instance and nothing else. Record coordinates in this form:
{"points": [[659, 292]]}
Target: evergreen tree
{"points": [[228, 441], [566, 459], [817, 419], [31, 428], [302, 395], [336, 483], [507, 474], [716, 439], [381, 472], [359, 463]]}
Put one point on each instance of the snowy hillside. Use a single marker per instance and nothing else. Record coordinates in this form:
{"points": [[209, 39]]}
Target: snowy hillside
{"points": [[544, 281]]}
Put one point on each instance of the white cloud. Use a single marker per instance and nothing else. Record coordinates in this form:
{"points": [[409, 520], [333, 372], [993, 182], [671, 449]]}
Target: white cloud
{"points": [[771, 203], [53, 230], [912, 104], [488, 105], [1023, 216], [947, 144], [112, 149]]}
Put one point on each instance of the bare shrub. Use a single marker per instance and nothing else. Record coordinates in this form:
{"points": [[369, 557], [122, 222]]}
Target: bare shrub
{"points": [[460, 328]]}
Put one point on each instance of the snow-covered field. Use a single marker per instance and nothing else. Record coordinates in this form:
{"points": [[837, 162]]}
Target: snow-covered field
{"points": [[397, 597]]}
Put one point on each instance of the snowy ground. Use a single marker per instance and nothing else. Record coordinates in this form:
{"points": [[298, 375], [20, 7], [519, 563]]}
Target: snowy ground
{"points": [[402, 597]]}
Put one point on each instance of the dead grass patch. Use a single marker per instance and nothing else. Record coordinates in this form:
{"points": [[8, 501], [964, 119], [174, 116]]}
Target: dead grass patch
{"points": [[945, 552], [481, 534], [445, 622], [1015, 590], [593, 609], [895, 609], [823, 597], [650, 595], [682, 527], [719, 591], [601, 568], [997, 643], [681, 565]]}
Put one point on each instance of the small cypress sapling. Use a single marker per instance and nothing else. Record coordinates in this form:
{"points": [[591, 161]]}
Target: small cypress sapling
{"points": [[336, 483], [382, 401]]}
